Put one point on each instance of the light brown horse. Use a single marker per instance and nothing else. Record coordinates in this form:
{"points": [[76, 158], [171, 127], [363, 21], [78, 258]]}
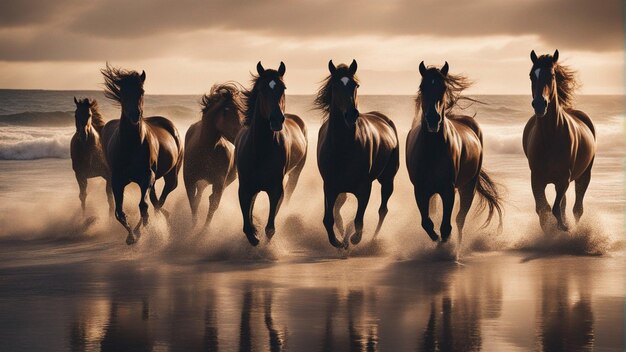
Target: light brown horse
{"points": [[353, 150], [88, 159], [559, 142], [444, 153], [209, 149], [138, 149], [270, 146]]}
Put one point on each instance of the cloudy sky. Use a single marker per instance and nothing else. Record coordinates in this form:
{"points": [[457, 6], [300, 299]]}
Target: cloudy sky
{"points": [[187, 45]]}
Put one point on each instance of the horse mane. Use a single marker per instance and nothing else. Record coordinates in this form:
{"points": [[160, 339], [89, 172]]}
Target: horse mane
{"points": [[233, 94], [323, 98], [115, 78], [249, 100], [566, 82], [455, 85]]}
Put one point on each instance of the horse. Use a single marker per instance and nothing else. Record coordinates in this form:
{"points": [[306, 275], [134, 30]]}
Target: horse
{"points": [[138, 149], [353, 150], [444, 154], [271, 145], [559, 141], [209, 152], [88, 159]]}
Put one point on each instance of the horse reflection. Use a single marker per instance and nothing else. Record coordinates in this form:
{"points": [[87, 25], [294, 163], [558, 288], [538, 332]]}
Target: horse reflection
{"points": [[128, 328], [276, 337], [452, 327], [566, 323]]}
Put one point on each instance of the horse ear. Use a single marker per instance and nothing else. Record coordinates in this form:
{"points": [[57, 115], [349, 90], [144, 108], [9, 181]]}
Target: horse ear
{"points": [[422, 68], [282, 69], [555, 57], [143, 76], [533, 56], [353, 67], [444, 69], [331, 67], [259, 68], [75, 101]]}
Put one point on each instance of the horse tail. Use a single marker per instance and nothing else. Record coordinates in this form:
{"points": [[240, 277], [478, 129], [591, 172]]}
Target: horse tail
{"points": [[491, 197]]}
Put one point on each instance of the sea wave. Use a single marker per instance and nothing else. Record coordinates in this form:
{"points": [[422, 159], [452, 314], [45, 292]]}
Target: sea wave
{"points": [[30, 144], [39, 118]]}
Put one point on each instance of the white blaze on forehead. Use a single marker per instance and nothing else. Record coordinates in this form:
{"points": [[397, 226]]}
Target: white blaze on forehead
{"points": [[433, 82], [537, 71], [272, 84], [345, 80]]}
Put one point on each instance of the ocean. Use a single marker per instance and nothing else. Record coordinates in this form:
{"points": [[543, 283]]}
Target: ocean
{"points": [[68, 285]]}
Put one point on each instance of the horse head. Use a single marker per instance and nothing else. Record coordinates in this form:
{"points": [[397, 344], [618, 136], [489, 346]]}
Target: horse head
{"points": [[433, 95], [343, 85], [543, 81]]}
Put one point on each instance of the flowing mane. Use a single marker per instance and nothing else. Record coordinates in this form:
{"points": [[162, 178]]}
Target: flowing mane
{"points": [[324, 94], [229, 90], [566, 83], [455, 85], [115, 78]]}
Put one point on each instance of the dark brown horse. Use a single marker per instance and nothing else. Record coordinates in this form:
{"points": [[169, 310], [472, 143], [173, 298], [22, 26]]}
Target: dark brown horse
{"points": [[353, 150], [444, 153], [138, 149], [271, 145], [88, 159], [559, 142], [209, 150]]}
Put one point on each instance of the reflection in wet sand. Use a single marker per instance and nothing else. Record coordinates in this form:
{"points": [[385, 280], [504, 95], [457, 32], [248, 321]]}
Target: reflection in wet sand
{"points": [[398, 306]]}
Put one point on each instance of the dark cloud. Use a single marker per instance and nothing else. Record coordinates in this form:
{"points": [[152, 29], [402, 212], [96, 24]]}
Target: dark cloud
{"points": [[57, 30]]}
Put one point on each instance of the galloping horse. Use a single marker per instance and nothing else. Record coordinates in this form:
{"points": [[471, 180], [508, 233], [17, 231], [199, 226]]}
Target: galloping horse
{"points": [[353, 150], [209, 152], [88, 159], [138, 149], [271, 145], [444, 153], [559, 142]]}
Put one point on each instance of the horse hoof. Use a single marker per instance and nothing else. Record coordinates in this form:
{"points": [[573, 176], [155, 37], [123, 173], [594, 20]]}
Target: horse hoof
{"points": [[356, 238], [563, 227], [254, 241], [434, 237], [336, 243], [130, 239], [269, 233]]}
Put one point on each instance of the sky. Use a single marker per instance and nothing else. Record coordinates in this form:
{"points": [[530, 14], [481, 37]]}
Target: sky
{"points": [[185, 46]]}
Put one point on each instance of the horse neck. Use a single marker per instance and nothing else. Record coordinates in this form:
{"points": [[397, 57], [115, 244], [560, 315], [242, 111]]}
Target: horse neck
{"points": [[339, 131], [262, 135]]}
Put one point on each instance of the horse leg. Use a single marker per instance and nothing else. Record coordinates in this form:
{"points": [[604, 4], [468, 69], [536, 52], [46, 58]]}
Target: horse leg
{"points": [[246, 201], [82, 194], [447, 198], [146, 188], [118, 193], [276, 198], [341, 200], [171, 182], [423, 204], [541, 203], [581, 187], [110, 198], [385, 193], [329, 220], [558, 207], [466, 196], [294, 175], [214, 202], [363, 197], [194, 194]]}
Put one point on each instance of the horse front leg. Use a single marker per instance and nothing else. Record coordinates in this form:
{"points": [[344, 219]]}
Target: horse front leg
{"points": [[82, 192], [214, 202], [246, 202], [423, 204], [146, 186], [118, 185], [541, 203], [558, 209], [363, 198], [447, 197], [330, 196], [276, 198], [110, 198]]}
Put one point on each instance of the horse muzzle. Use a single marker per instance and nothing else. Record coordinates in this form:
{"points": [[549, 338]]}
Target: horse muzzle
{"points": [[540, 106], [433, 123]]}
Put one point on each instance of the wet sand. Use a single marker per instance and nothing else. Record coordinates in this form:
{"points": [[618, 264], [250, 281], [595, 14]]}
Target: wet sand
{"points": [[493, 302]]}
